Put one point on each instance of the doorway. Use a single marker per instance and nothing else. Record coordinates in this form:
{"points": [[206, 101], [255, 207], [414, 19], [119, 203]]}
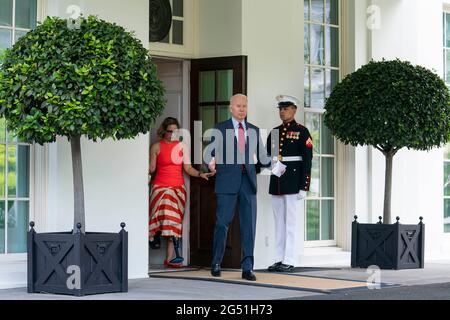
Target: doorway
{"points": [[213, 82], [174, 73], [200, 90]]}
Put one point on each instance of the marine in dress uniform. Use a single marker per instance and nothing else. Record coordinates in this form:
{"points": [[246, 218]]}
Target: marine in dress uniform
{"points": [[294, 149]]}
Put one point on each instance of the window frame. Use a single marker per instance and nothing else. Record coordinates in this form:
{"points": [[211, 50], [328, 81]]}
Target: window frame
{"points": [[321, 111], [186, 50], [446, 12], [13, 257]]}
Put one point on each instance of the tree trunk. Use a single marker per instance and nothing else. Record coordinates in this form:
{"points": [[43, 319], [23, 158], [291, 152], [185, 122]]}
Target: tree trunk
{"points": [[77, 168], [388, 187]]}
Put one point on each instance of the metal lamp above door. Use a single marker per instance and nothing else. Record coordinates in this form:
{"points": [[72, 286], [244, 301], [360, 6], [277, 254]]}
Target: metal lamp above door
{"points": [[160, 19]]}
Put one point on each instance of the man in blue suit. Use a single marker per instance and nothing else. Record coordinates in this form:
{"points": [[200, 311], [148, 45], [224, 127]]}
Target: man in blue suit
{"points": [[238, 155]]}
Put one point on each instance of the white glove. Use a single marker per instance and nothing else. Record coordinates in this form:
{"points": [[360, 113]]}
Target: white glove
{"points": [[301, 195], [278, 169]]}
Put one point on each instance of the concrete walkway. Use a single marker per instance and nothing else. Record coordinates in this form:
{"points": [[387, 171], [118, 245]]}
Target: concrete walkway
{"points": [[436, 274]]}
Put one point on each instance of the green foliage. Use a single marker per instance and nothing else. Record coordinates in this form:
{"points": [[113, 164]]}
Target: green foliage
{"points": [[97, 80], [390, 105]]}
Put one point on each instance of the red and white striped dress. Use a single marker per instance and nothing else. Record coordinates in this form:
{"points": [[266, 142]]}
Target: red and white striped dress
{"points": [[167, 193]]}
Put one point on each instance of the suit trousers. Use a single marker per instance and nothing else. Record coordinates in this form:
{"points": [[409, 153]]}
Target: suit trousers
{"points": [[226, 205], [287, 214]]}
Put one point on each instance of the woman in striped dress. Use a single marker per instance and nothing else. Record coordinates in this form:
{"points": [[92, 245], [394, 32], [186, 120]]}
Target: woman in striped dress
{"points": [[168, 158]]}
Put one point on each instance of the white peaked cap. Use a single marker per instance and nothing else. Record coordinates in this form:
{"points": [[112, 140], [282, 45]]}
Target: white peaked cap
{"points": [[283, 98]]}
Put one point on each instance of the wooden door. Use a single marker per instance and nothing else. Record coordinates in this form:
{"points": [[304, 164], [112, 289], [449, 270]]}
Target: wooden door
{"points": [[213, 82]]}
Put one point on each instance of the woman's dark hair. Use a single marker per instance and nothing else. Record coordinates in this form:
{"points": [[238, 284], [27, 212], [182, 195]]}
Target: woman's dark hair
{"points": [[167, 122]]}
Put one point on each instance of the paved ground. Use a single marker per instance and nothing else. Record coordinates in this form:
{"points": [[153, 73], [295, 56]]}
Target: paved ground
{"points": [[440, 291], [432, 282]]}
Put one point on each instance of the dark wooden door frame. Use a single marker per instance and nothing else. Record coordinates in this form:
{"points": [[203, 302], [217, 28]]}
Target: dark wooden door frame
{"points": [[200, 254]]}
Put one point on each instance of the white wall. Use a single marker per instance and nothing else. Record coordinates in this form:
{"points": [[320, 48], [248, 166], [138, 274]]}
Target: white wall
{"points": [[219, 28], [115, 172], [130, 14], [272, 35]]}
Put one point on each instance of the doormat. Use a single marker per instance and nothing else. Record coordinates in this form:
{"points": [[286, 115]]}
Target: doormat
{"points": [[272, 280]]}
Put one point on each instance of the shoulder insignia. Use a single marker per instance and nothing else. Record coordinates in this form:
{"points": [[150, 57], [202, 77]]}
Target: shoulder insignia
{"points": [[309, 143]]}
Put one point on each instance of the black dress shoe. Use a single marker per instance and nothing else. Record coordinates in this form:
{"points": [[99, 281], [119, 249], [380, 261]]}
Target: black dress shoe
{"points": [[248, 275], [274, 267], [215, 270], [285, 268]]}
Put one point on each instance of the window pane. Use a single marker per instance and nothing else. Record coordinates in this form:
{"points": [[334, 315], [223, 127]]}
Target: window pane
{"points": [[317, 44], [306, 89], [224, 113], [312, 122], [327, 139], [447, 215], [166, 38], [2, 169], [306, 10], [447, 179], [327, 218], [207, 86], [6, 9], [331, 11], [317, 10], [11, 135], [315, 178], [447, 66], [327, 177], [317, 88], [177, 8], [447, 228], [18, 171], [19, 34], [331, 79], [312, 220], [17, 226], [5, 38], [306, 49], [447, 22], [2, 129], [208, 117], [2, 226], [332, 45], [225, 85], [177, 32], [25, 14]]}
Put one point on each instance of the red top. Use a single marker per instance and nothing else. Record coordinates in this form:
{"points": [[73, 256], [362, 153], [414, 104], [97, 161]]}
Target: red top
{"points": [[169, 168]]}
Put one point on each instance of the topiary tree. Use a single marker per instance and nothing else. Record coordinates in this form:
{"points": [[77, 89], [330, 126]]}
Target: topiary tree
{"points": [[94, 80], [390, 105]]}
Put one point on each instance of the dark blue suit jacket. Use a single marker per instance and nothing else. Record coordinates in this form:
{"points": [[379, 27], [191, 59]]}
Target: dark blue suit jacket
{"points": [[229, 160]]}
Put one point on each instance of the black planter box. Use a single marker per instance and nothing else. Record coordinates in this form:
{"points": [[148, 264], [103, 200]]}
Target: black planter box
{"points": [[95, 262], [388, 246]]}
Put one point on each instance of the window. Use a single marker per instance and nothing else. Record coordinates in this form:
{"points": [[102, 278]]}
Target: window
{"points": [[175, 35], [446, 45], [321, 74], [17, 17]]}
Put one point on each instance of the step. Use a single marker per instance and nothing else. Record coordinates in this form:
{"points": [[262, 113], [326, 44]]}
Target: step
{"points": [[325, 257]]}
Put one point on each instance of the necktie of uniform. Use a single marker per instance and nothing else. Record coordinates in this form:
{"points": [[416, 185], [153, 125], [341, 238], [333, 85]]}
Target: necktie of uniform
{"points": [[241, 138]]}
